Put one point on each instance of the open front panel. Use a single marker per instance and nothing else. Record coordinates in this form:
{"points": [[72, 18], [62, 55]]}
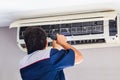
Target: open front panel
{"points": [[77, 29]]}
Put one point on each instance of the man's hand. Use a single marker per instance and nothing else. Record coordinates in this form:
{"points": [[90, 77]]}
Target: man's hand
{"points": [[61, 39], [55, 45]]}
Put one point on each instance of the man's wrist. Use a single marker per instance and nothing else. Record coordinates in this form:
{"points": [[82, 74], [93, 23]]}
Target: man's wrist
{"points": [[63, 44]]}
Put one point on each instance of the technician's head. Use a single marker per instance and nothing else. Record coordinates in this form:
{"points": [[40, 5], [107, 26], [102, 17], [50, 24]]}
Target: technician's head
{"points": [[35, 39]]}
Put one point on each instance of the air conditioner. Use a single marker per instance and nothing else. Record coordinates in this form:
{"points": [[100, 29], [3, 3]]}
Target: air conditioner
{"points": [[83, 30]]}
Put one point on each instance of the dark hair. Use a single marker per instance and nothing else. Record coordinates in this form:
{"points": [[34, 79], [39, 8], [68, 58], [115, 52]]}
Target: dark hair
{"points": [[35, 39]]}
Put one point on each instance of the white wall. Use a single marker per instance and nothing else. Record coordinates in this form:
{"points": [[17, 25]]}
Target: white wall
{"points": [[9, 55], [98, 64]]}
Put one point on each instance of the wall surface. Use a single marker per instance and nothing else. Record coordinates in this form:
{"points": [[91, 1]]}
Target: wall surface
{"points": [[98, 64], [9, 55]]}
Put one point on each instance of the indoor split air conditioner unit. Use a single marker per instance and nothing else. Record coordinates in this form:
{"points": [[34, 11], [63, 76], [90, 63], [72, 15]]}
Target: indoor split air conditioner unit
{"points": [[83, 30]]}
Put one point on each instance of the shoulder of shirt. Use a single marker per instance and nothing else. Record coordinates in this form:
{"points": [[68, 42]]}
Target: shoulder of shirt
{"points": [[34, 57]]}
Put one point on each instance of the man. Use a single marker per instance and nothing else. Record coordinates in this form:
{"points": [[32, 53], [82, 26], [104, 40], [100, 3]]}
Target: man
{"points": [[46, 64]]}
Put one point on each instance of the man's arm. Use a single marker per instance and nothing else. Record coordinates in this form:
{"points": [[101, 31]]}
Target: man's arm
{"points": [[62, 41]]}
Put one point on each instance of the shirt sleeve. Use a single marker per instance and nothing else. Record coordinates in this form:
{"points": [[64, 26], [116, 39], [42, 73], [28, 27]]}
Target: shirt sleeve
{"points": [[62, 58]]}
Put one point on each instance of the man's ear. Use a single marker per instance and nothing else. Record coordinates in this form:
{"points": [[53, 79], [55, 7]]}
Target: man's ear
{"points": [[25, 46], [46, 43]]}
